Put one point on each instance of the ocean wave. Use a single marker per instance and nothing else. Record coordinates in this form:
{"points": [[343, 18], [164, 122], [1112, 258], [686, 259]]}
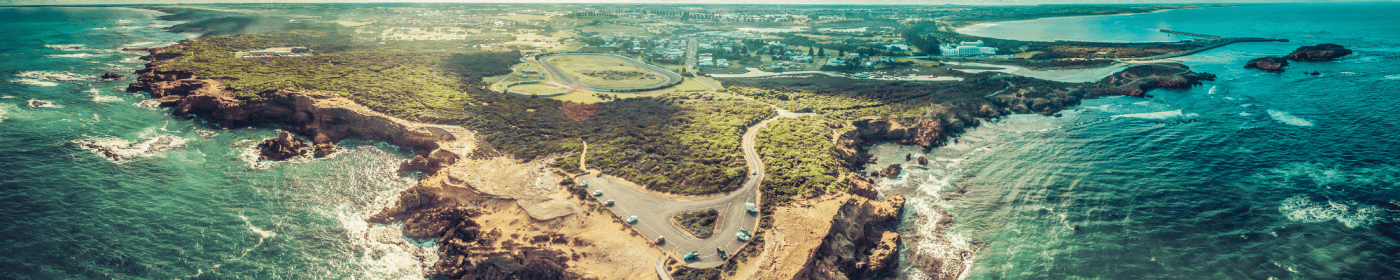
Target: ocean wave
{"points": [[121, 150], [34, 82], [5, 110], [1165, 115], [1333, 175], [1351, 214], [71, 55], [55, 76], [1289, 119], [147, 104], [66, 47], [1392, 77], [98, 97]]}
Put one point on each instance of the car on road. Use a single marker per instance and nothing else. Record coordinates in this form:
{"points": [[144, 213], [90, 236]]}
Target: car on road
{"points": [[608, 203], [754, 173], [583, 184], [743, 235], [722, 254], [598, 193], [632, 219], [753, 209], [660, 240], [692, 255]]}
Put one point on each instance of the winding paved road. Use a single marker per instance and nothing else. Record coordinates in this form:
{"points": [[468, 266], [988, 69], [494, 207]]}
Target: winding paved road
{"points": [[654, 212]]}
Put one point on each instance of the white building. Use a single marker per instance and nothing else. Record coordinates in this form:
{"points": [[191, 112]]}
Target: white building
{"points": [[967, 49]]}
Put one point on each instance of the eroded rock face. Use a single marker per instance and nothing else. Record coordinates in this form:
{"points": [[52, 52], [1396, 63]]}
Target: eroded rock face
{"points": [[1319, 52], [860, 244], [281, 148], [436, 160], [891, 171], [1270, 63]]}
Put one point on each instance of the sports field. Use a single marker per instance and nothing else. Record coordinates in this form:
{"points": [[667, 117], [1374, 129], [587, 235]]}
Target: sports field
{"points": [[606, 72]]}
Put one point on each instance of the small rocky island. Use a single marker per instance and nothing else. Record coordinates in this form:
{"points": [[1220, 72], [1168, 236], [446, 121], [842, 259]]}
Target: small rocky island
{"points": [[1319, 52], [1268, 63]]}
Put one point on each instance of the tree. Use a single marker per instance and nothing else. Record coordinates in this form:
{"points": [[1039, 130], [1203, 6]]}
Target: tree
{"points": [[810, 52], [821, 52]]}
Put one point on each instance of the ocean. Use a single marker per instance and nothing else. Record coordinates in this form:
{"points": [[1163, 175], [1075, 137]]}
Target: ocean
{"points": [[1253, 176], [188, 200]]}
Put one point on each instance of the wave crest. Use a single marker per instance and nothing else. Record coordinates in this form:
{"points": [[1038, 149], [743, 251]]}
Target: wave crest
{"points": [[1289, 119]]}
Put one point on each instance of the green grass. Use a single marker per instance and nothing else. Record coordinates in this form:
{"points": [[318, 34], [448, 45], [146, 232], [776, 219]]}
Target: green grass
{"points": [[420, 81], [586, 69], [701, 223], [800, 158]]}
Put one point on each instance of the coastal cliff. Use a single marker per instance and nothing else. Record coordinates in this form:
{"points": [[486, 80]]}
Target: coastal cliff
{"points": [[860, 244]]}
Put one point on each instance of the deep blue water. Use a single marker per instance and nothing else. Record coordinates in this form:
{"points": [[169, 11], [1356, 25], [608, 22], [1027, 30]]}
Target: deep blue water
{"points": [[195, 205], [1253, 176]]}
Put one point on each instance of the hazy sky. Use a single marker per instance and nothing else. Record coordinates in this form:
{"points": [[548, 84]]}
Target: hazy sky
{"points": [[922, 2]]}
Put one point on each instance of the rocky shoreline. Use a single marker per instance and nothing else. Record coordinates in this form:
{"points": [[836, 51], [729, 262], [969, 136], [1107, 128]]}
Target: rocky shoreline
{"points": [[473, 227]]}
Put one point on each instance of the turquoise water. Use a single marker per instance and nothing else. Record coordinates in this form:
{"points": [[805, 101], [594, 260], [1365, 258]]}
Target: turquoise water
{"points": [[187, 202], [1253, 176]]}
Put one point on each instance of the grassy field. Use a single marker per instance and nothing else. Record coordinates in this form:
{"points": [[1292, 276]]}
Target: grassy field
{"points": [[605, 71], [421, 81], [701, 223]]}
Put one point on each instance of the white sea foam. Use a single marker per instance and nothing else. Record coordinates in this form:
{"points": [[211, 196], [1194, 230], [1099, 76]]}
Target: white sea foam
{"points": [[66, 47], [148, 104], [1303, 209], [121, 150], [55, 76], [71, 55], [1289, 119], [5, 110], [257, 230], [98, 97], [34, 82], [1173, 114], [1392, 77]]}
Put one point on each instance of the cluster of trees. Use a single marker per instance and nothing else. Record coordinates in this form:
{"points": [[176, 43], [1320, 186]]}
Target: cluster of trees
{"points": [[684, 143], [926, 43], [419, 81]]}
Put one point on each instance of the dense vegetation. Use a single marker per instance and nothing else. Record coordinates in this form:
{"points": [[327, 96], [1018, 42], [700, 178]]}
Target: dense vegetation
{"points": [[420, 81], [699, 223], [800, 158], [678, 143], [687, 144]]}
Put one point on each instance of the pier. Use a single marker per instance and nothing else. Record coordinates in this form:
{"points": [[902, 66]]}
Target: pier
{"points": [[1216, 42]]}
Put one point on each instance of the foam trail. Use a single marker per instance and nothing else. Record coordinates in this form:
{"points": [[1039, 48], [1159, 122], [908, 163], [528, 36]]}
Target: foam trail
{"points": [[1157, 115], [1302, 209], [1289, 119]]}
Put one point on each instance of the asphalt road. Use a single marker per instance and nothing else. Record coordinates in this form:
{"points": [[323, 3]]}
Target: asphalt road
{"points": [[654, 212]]}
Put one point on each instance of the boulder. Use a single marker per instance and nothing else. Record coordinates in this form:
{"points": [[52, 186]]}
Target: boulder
{"points": [[1319, 52], [923, 160], [109, 76], [281, 148], [891, 171], [1270, 63]]}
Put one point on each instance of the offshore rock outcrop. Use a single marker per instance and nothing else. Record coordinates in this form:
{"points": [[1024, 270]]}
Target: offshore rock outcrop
{"points": [[281, 148], [1319, 52], [1268, 63]]}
